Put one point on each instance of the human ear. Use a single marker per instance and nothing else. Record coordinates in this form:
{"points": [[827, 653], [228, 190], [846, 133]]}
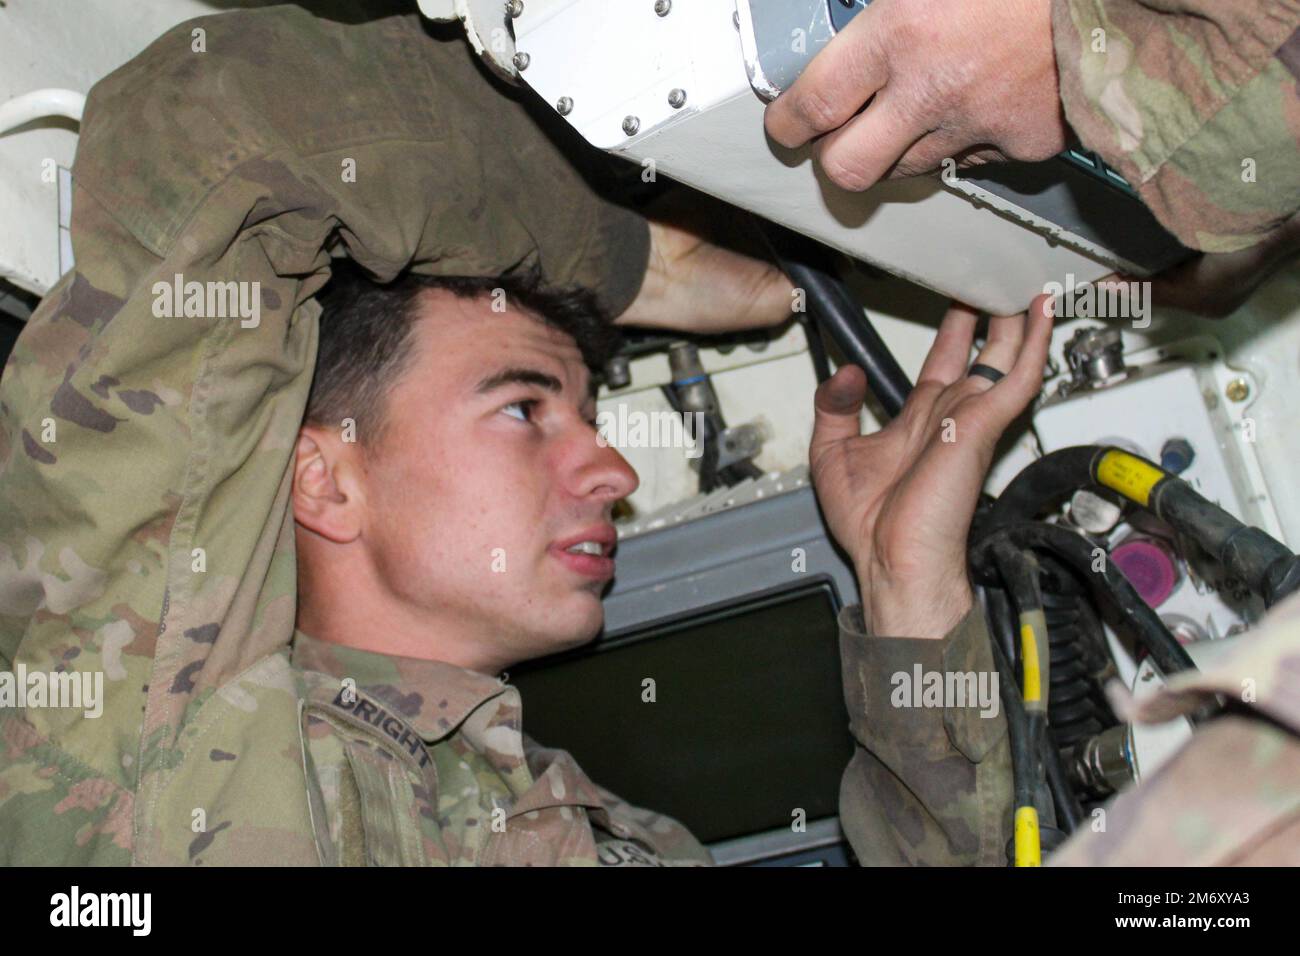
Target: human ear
{"points": [[327, 498]]}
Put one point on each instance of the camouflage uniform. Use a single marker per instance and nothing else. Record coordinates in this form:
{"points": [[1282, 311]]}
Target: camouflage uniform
{"points": [[418, 762], [1195, 102], [151, 539], [928, 785], [145, 528], [1231, 795]]}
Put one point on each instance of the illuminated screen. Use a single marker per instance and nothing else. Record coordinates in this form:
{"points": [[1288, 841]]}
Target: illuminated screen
{"points": [[747, 724]]}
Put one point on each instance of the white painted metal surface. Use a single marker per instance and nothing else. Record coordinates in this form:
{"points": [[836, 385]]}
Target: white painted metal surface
{"points": [[1262, 341], [1170, 400], [486, 28], [619, 62]]}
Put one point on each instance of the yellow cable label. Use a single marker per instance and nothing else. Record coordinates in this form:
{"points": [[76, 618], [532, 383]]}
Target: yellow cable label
{"points": [[1028, 850], [1029, 657], [1129, 475]]}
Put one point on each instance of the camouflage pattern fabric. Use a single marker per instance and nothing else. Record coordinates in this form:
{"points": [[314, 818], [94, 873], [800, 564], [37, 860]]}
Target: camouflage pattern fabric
{"points": [[927, 785], [444, 745], [145, 531], [1231, 795], [1195, 102]]}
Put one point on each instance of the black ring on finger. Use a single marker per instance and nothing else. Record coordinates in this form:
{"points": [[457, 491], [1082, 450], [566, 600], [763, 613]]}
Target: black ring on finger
{"points": [[986, 371]]}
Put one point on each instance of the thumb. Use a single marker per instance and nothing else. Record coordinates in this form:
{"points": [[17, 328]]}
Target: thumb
{"points": [[836, 407]]}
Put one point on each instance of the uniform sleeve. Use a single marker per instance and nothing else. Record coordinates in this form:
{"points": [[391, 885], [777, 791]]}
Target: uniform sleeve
{"points": [[1230, 797], [1195, 102], [928, 784], [151, 404]]}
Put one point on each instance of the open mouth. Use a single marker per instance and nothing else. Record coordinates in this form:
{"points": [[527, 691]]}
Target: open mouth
{"points": [[589, 554]]}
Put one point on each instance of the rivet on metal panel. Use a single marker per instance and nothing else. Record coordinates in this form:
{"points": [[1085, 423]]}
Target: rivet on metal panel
{"points": [[515, 8], [677, 98], [630, 125], [521, 61], [662, 7], [564, 105], [1238, 390]]}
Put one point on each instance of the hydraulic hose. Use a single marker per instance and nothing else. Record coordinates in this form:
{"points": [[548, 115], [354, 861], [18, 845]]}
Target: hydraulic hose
{"points": [[1077, 553], [834, 310], [1264, 565], [1028, 849], [1020, 574]]}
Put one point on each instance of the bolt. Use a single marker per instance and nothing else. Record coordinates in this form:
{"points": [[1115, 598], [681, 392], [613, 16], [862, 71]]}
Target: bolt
{"points": [[1238, 390], [564, 105], [630, 125], [677, 99], [521, 61], [662, 7], [1176, 455], [618, 372], [515, 8]]}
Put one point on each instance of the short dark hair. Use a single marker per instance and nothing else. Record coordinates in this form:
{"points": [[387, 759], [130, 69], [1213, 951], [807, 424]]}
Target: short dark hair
{"points": [[366, 326]]}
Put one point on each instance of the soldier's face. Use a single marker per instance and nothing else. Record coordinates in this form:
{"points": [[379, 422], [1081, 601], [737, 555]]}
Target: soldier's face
{"points": [[490, 467]]}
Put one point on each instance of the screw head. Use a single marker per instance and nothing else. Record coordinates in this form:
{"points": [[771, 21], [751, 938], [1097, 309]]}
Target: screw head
{"points": [[662, 7], [677, 98], [564, 105], [515, 8], [521, 61], [1238, 390], [631, 124]]}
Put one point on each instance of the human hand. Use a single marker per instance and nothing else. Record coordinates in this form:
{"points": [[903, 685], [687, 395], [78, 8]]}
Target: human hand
{"points": [[694, 285], [900, 501], [971, 80], [1217, 284]]}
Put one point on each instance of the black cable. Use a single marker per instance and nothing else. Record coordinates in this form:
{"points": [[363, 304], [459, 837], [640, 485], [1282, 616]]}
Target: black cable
{"points": [[709, 477], [1069, 812], [1002, 618], [1263, 564], [1023, 771], [1077, 553], [816, 349], [739, 471], [838, 314], [1077, 709]]}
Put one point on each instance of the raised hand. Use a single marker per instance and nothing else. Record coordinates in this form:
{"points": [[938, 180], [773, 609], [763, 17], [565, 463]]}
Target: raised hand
{"points": [[900, 500]]}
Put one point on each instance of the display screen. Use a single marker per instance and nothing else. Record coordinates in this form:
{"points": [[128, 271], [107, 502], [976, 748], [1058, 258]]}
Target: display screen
{"points": [[747, 723]]}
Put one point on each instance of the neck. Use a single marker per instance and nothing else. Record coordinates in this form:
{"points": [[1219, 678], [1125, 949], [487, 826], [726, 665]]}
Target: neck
{"points": [[345, 601]]}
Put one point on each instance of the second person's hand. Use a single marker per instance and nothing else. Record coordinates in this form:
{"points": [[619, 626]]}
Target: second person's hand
{"points": [[971, 80]]}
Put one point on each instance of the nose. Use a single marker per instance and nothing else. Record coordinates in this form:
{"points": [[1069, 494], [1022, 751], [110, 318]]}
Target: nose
{"points": [[600, 471]]}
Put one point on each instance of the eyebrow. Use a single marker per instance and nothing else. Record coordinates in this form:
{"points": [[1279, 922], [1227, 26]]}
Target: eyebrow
{"points": [[519, 376]]}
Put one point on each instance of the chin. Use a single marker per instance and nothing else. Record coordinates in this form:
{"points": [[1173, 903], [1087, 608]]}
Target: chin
{"points": [[583, 622]]}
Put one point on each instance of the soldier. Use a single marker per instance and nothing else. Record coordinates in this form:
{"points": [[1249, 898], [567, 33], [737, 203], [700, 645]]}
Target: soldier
{"points": [[1192, 101], [169, 518], [1195, 104]]}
